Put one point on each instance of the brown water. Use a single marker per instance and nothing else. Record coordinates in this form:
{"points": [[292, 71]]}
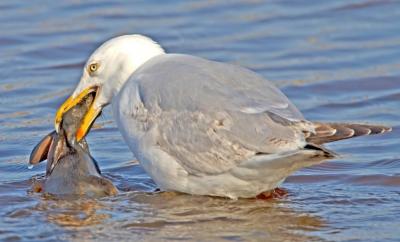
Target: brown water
{"points": [[337, 60]]}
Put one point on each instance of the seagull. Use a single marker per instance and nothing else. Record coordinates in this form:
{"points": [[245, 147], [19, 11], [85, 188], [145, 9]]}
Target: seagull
{"points": [[199, 126]]}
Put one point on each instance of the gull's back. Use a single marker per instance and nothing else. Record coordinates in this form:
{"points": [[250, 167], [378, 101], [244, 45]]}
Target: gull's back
{"points": [[211, 128]]}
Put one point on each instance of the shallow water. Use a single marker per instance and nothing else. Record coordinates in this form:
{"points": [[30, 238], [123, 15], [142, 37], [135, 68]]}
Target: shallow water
{"points": [[337, 60]]}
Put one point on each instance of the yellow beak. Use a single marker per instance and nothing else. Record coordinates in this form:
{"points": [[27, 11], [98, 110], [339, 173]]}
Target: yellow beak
{"points": [[89, 118]]}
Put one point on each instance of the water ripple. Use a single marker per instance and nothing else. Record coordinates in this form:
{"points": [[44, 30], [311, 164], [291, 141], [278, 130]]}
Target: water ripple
{"points": [[337, 60]]}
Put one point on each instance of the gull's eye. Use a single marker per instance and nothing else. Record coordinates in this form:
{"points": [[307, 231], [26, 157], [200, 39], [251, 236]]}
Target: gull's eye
{"points": [[93, 68]]}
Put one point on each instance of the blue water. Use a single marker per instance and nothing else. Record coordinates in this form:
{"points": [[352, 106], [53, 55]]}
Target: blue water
{"points": [[337, 61]]}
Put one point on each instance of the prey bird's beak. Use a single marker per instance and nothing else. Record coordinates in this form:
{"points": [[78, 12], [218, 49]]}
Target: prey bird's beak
{"points": [[89, 117]]}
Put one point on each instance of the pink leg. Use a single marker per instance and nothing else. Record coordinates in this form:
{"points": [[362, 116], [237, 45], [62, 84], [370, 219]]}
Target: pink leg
{"points": [[276, 193]]}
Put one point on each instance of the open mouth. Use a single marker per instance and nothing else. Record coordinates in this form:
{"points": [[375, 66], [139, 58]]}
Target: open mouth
{"points": [[88, 100], [72, 119], [87, 120]]}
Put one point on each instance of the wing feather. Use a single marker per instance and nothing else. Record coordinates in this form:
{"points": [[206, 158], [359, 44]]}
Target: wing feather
{"points": [[211, 116]]}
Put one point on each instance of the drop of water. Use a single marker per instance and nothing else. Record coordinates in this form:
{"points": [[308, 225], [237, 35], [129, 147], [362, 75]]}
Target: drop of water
{"points": [[30, 166]]}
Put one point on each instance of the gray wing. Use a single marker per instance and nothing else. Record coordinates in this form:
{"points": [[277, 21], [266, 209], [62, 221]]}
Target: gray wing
{"points": [[211, 115]]}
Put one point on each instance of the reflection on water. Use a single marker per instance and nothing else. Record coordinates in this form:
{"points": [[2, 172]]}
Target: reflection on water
{"points": [[173, 216], [72, 213], [337, 60]]}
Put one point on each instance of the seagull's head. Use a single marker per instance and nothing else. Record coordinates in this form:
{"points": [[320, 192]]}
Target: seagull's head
{"points": [[106, 70]]}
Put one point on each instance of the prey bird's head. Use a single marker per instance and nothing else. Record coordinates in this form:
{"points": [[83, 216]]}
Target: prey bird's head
{"points": [[105, 72]]}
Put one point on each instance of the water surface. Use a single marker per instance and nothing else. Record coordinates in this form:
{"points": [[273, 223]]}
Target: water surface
{"points": [[337, 60]]}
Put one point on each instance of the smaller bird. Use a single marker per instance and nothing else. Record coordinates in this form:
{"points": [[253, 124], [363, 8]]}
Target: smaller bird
{"points": [[200, 126], [71, 170]]}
